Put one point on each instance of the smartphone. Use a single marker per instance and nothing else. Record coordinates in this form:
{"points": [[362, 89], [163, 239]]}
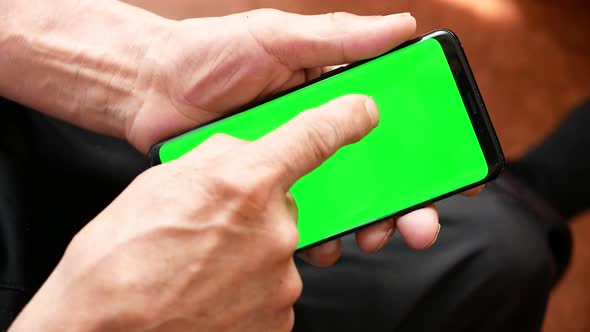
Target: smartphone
{"points": [[434, 138]]}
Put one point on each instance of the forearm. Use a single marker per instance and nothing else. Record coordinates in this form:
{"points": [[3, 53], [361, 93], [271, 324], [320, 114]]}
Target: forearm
{"points": [[77, 60], [63, 304], [52, 310]]}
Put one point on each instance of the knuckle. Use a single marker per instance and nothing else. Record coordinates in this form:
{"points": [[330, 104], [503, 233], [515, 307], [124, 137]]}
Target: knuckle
{"points": [[221, 138], [288, 287], [257, 190], [249, 193], [339, 17], [292, 286], [342, 122], [358, 119], [271, 170], [285, 240], [323, 135], [268, 32], [336, 25], [223, 187]]}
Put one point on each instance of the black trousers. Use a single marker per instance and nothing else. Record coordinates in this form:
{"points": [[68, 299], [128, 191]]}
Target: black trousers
{"points": [[492, 269]]}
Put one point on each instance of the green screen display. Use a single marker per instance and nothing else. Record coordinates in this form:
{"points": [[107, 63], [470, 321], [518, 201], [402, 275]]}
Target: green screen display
{"points": [[424, 146]]}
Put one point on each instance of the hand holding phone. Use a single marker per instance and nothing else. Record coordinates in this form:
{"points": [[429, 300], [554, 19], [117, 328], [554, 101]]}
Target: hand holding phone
{"points": [[214, 231], [435, 138]]}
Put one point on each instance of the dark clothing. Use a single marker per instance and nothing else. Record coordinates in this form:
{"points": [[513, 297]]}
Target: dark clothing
{"points": [[491, 270], [54, 178], [558, 168]]}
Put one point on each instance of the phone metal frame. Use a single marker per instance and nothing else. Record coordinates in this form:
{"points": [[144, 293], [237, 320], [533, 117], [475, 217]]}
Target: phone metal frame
{"points": [[470, 94]]}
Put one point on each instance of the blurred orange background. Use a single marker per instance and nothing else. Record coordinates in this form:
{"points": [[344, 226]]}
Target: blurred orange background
{"points": [[531, 60]]}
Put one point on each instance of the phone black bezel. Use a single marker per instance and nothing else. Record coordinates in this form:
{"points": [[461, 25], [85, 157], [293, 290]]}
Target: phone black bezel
{"points": [[470, 94]]}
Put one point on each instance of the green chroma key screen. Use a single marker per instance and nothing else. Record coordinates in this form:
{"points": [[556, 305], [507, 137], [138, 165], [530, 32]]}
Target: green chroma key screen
{"points": [[424, 146]]}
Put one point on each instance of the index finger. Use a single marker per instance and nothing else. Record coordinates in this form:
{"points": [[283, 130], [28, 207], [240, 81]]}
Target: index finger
{"points": [[304, 143]]}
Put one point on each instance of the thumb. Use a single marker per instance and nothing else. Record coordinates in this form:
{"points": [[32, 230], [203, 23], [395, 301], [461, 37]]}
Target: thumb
{"points": [[308, 41]]}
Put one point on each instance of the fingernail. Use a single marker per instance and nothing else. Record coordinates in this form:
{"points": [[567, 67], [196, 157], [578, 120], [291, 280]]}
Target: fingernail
{"points": [[386, 238], [371, 108], [435, 237]]}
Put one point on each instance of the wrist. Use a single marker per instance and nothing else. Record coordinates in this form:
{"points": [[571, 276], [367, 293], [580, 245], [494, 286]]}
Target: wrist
{"points": [[68, 301], [53, 309], [82, 61]]}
